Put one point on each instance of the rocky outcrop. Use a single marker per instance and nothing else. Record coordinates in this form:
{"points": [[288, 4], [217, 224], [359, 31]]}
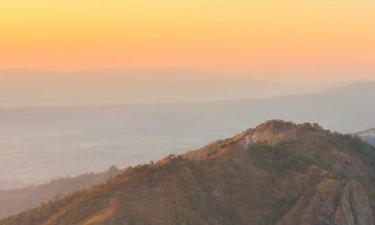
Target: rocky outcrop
{"points": [[354, 207], [334, 203]]}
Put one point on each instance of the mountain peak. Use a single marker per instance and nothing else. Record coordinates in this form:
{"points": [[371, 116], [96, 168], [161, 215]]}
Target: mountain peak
{"points": [[276, 125], [279, 126], [273, 127], [272, 131]]}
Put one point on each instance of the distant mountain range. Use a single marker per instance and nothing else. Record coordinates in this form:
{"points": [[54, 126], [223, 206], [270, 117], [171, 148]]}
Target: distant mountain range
{"points": [[36, 87], [40, 143], [278, 173], [368, 136], [16, 201]]}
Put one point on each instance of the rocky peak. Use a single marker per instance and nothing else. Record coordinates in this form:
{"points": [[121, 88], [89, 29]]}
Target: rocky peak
{"points": [[271, 130], [267, 132], [276, 126], [334, 202]]}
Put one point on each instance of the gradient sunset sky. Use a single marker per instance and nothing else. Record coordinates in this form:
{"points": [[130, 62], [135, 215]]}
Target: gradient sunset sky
{"points": [[301, 38]]}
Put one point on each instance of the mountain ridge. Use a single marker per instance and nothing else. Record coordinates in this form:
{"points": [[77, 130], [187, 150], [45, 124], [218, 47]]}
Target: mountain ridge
{"points": [[278, 173]]}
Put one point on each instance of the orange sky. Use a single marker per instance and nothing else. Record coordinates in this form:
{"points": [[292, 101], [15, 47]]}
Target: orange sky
{"points": [[232, 35]]}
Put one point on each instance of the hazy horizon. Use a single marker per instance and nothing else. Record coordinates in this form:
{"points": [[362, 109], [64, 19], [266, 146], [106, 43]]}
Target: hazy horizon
{"points": [[44, 87]]}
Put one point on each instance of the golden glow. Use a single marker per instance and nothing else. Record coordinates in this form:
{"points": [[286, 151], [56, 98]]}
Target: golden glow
{"points": [[204, 34]]}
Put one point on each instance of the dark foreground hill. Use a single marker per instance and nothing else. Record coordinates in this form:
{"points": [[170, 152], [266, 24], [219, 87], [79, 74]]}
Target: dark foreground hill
{"points": [[18, 200], [279, 173]]}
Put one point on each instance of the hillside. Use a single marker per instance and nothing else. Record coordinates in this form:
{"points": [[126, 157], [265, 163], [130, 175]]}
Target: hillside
{"points": [[279, 173], [368, 136], [16, 201]]}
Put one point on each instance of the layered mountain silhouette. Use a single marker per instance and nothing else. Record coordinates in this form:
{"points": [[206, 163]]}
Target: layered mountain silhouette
{"points": [[368, 136], [278, 173], [16, 201]]}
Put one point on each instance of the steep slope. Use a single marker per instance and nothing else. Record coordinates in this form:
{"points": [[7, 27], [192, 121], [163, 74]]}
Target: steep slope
{"points": [[368, 136], [278, 173], [16, 201]]}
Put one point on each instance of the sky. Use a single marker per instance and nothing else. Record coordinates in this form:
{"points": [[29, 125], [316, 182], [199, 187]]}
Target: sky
{"points": [[273, 40]]}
